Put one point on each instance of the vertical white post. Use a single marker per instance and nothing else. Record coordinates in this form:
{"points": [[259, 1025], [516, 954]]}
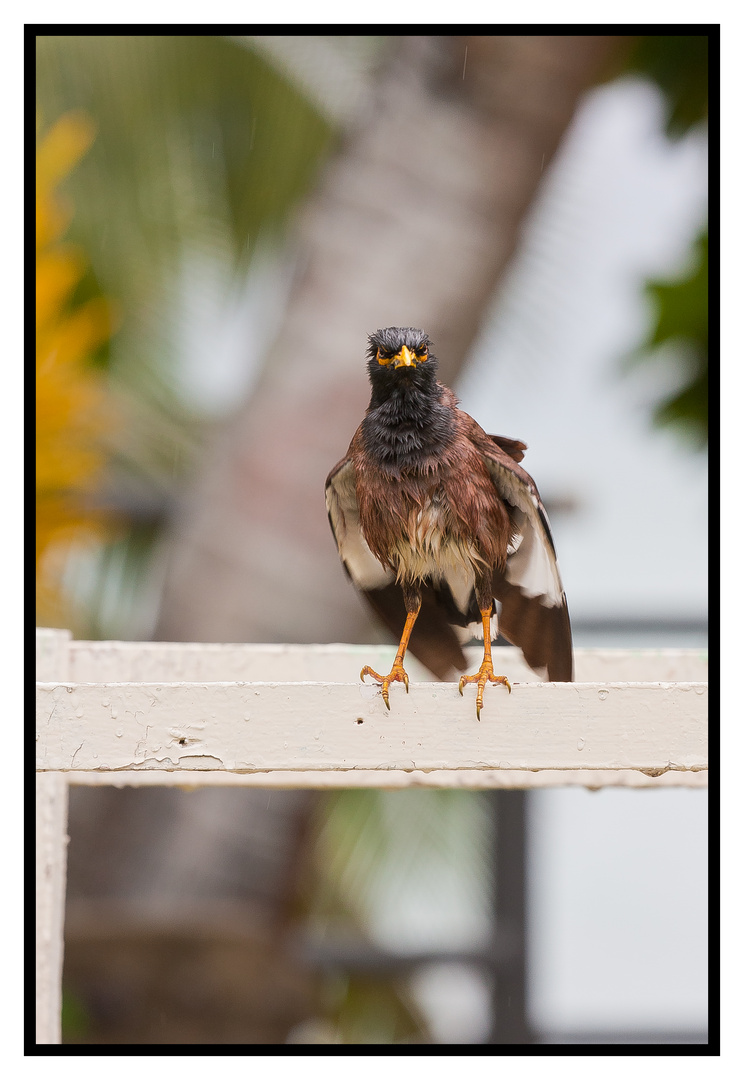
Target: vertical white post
{"points": [[52, 664]]}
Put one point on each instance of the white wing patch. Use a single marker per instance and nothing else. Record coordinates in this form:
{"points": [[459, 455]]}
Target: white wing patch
{"points": [[366, 570], [531, 563], [461, 581]]}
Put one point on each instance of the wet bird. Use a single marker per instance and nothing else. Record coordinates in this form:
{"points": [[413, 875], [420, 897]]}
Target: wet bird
{"points": [[441, 529]]}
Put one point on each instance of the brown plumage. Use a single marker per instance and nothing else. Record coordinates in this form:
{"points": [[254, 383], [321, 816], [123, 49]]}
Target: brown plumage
{"points": [[433, 495], [434, 520]]}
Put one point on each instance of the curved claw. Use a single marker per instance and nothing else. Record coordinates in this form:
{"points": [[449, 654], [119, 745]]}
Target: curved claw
{"points": [[397, 674], [483, 676]]}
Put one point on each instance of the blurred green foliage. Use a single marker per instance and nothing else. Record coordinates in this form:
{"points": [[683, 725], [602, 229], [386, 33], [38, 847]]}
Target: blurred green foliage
{"points": [[375, 850], [678, 64], [202, 151], [197, 136], [75, 1017], [368, 1010], [682, 323]]}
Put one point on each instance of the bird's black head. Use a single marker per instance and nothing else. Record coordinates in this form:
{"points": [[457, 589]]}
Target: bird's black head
{"points": [[400, 356], [406, 425]]}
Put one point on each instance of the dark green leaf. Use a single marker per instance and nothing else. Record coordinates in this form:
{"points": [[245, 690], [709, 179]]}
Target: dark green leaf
{"points": [[678, 63], [679, 334]]}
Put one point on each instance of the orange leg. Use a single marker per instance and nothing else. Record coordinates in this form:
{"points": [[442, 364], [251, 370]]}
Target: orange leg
{"points": [[397, 672], [486, 669]]}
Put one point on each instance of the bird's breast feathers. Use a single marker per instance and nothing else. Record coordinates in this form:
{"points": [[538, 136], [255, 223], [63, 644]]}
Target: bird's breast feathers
{"points": [[447, 523], [431, 545], [427, 523]]}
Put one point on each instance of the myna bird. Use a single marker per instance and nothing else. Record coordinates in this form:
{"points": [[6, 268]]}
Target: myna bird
{"points": [[436, 523]]}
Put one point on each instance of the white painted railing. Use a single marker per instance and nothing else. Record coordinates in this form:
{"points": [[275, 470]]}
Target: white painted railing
{"points": [[288, 715]]}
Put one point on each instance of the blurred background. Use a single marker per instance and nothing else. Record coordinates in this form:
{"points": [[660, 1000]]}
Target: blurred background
{"points": [[220, 223]]}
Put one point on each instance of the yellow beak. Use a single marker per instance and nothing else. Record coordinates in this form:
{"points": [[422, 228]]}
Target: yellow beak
{"points": [[404, 358]]}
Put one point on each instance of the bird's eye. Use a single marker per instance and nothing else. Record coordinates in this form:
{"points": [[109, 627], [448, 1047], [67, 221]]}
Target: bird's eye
{"points": [[422, 352], [384, 356]]}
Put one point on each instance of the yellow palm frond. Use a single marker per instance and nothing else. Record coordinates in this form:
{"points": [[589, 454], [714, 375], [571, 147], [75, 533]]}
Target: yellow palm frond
{"points": [[73, 408]]}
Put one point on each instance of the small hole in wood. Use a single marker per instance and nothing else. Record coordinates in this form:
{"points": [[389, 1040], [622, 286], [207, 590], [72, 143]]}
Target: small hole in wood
{"points": [[359, 720]]}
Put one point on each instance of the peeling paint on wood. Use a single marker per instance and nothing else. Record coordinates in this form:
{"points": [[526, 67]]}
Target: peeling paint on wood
{"points": [[308, 726], [471, 779]]}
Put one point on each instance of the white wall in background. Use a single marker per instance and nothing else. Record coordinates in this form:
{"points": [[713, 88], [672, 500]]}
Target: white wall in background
{"points": [[618, 910]]}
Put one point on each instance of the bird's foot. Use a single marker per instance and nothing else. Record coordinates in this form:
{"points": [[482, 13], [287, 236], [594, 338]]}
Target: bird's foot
{"points": [[485, 675], [397, 674]]}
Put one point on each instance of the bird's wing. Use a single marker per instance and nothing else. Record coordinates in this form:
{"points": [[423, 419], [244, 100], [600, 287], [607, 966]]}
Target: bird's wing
{"points": [[364, 569], [515, 448], [433, 640], [534, 612]]}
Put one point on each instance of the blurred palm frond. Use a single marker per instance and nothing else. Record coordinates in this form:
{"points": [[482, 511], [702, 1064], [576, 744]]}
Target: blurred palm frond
{"points": [[203, 149], [422, 857], [73, 409], [377, 850]]}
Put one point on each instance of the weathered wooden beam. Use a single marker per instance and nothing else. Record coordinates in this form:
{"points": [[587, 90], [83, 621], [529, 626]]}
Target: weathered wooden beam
{"points": [[650, 728]]}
